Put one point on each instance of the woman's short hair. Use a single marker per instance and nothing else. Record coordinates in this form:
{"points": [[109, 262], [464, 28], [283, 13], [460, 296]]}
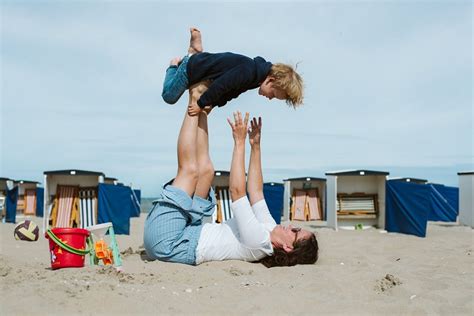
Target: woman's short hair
{"points": [[305, 251]]}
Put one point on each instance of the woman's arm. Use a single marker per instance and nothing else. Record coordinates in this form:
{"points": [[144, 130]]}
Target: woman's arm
{"points": [[255, 177], [237, 169], [252, 233]]}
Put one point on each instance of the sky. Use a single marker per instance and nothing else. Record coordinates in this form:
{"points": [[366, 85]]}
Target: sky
{"points": [[388, 86]]}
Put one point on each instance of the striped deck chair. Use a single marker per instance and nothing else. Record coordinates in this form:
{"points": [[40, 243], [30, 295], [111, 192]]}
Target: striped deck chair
{"points": [[223, 211], [30, 202], [88, 206], [65, 210], [314, 205], [298, 206]]}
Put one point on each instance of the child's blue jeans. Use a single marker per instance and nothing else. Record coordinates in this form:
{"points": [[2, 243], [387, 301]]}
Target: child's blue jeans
{"points": [[176, 82]]}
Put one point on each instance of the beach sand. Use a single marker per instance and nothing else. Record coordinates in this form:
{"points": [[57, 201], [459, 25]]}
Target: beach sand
{"points": [[358, 273]]}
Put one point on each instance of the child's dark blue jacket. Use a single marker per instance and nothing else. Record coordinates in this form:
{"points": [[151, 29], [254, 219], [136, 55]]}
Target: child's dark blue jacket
{"points": [[231, 74]]}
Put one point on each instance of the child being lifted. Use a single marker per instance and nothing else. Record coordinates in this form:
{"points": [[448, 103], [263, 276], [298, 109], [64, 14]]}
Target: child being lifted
{"points": [[229, 75]]}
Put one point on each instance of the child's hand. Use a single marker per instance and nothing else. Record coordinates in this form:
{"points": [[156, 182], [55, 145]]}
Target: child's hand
{"points": [[193, 109], [239, 127], [255, 131], [207, 109]]}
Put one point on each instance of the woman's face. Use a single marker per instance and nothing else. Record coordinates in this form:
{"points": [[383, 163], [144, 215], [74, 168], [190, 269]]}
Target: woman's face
{"points": [[285, 237]]}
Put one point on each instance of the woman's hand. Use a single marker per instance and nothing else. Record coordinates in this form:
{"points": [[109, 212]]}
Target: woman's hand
{"points": [[255, 131], [239, 127]]}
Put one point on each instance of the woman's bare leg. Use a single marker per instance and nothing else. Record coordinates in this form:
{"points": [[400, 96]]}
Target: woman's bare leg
{"points": [[205, 167], [187, 175]]}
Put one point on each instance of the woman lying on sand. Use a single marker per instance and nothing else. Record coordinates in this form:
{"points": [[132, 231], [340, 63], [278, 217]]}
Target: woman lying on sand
{"points": [[173, 229]]}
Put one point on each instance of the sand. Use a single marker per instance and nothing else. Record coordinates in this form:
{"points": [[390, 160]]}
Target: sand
{"points": [[359, 273]]}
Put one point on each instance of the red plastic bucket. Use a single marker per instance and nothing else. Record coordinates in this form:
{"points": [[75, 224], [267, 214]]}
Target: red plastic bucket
{"points": [[63, 242]]}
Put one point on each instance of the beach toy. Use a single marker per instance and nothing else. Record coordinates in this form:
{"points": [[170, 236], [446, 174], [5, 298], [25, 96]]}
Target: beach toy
{"points": [[67, 247], [101, 252], [26, 230]]}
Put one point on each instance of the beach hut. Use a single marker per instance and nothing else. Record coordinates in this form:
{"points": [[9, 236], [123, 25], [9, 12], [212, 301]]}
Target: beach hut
{"points": [[70, 198], [466, 194], [356, 198], [80, 198], [220, 184], [304, 199], [8, 200], [28, 193], [273, 193], [26, 196]]}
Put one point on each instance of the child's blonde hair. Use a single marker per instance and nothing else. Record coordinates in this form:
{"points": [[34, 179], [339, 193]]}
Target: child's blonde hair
{"points": [[289, 81]]}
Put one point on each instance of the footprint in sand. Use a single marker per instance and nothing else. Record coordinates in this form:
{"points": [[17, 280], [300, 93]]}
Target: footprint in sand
{"points": [[387, 283], [237, 272]]}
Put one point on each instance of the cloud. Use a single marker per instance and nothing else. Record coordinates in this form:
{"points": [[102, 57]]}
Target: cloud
{"points": [[387, 84]]}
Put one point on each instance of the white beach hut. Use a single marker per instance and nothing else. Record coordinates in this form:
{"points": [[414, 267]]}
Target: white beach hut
{"points": [[356, 197], [466, 198], [304, 198], [66, 188]]}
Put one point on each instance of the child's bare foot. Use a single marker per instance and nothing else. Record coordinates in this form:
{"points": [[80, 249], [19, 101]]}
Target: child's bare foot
{"points": [[175, 61], [195, 43]]}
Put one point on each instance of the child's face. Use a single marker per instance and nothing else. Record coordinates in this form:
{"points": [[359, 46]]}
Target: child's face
{"points": [[267, 90]]}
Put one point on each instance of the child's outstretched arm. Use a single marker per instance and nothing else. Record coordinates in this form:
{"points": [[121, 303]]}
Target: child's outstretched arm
{"points": [[237, 169]]}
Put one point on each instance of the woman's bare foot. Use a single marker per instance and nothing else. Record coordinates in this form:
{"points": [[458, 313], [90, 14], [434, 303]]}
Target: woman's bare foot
{"points": [[175, 61], [195, 43]]}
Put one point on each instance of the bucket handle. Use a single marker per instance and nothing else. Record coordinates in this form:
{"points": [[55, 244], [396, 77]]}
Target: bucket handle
{"points": [[71, 249]]}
